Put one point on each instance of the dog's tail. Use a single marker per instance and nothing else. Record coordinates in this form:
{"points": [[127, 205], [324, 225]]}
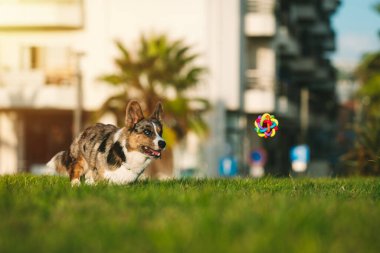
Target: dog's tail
{"points": [[60, 162]]}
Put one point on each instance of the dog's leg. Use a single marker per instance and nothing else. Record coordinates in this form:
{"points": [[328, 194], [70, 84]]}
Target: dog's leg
{"points": [[76, 171], [89, 178]]}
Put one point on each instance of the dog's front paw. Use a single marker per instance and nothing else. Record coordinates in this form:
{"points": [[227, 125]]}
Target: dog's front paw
{"points": [[90, 181], [75, 182]]}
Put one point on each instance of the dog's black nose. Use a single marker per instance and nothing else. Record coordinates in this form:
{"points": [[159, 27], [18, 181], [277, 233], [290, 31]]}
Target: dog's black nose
{"points": [[162, 144]]}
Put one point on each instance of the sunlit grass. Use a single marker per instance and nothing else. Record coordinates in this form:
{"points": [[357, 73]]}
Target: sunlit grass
{"points": [[44, 214]]}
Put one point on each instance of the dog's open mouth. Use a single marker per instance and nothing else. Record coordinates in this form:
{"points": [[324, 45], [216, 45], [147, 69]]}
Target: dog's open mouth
{"points": [[151, 152]]}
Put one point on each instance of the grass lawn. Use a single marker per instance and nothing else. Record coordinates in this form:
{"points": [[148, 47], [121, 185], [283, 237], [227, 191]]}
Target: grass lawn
{"points": [[44, 214]]}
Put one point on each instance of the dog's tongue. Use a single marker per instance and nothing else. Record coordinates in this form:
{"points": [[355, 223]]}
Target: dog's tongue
{"points": [[156, 153], [152, 152]]}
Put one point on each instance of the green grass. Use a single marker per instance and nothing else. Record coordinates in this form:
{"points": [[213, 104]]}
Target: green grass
{"points": [[44, 214]]}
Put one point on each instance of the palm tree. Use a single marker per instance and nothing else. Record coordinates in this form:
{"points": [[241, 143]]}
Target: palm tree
{"points": [[364, 156], [159, 70], [368, 73]]}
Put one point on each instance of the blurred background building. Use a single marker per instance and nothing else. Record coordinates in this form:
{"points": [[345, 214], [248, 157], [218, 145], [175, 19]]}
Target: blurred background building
{"points": [[262, 56]]}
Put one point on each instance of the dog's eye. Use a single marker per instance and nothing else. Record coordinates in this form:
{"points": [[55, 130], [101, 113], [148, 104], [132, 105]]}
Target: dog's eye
{"points": [[147, 132]]}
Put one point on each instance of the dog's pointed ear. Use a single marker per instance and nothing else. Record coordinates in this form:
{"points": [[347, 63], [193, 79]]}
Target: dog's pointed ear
{"points": [[158, 111], [133, 114]]}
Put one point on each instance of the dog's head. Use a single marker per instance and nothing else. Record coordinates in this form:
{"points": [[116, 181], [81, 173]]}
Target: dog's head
{"points": [[144, 134]]}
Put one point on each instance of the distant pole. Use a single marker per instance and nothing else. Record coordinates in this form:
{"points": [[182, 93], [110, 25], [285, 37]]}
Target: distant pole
{"points": [[244, 145], [78, 111], [304, 113]]}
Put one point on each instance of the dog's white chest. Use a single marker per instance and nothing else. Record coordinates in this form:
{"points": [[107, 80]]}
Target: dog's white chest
{"points": [[137, 161], [129, 171], [120, 176]]}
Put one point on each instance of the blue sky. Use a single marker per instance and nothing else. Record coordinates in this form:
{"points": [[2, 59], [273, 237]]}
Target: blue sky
{"points": [[357, 26]]}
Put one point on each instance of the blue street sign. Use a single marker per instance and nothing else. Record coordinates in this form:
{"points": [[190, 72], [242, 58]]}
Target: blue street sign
{"points": [[300, 156], [300, 153], [258, 157], [227, 166]]}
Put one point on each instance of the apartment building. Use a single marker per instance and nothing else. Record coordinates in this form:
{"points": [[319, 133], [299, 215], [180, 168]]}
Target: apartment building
{"points": [[260, 55], [306, 76]]}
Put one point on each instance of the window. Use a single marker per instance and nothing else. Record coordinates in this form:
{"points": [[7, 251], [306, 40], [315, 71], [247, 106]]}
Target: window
{"points": [[56, 63]]}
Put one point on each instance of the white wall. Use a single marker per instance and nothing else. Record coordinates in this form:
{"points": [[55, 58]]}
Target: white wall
{"points": [[211, 26]]}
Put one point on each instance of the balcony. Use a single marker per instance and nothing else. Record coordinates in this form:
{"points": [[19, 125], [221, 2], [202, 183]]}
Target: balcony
{"points": [[286, 45], [330, 5], [22, 78], [21, 89], [261, 6], [259, 96], [259, 101], [260, 25], [321, 29], [328, 44], [260, 20], [303, 64], [303, 13], [326, 85], [44, 14], [322, 73], [28, 89], [259, 80]]}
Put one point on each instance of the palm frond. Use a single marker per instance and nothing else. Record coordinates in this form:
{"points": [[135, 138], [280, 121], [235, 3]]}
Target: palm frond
{"points": [[114, 105], [158, 65], [113, 79], [125, 53], [198, 126], [200, 104]]}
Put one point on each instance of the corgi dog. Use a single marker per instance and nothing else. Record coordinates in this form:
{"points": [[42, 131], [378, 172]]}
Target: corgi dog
{"points": [[117, 155]]}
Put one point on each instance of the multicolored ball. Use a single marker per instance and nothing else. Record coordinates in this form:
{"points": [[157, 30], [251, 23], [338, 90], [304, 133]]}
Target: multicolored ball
{"points": [[266, 125]]}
